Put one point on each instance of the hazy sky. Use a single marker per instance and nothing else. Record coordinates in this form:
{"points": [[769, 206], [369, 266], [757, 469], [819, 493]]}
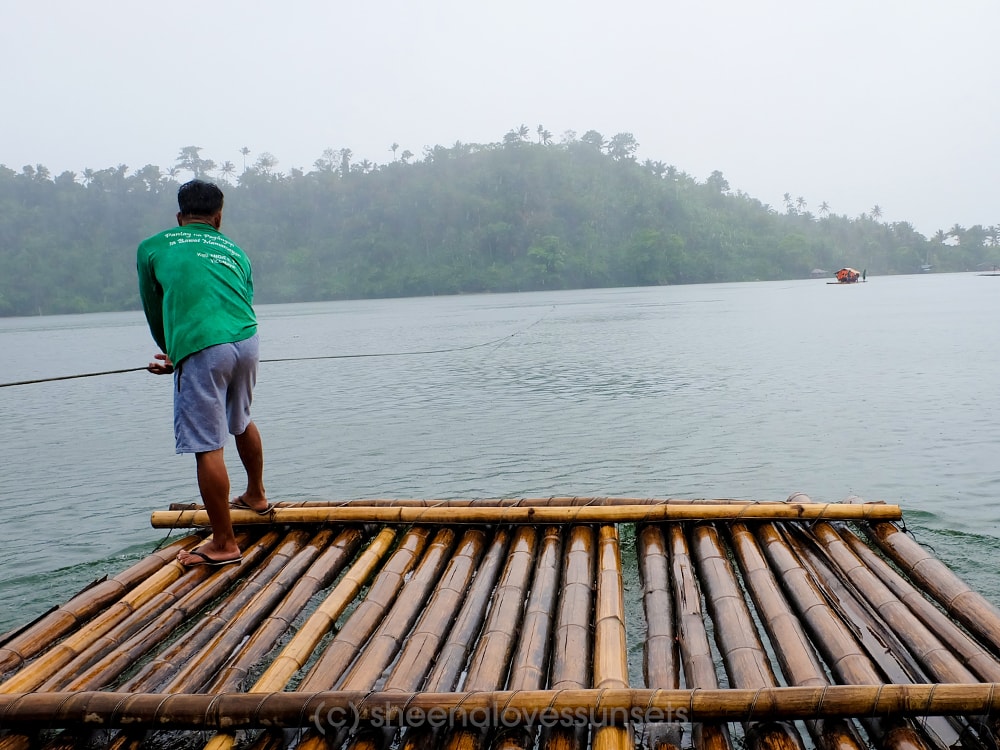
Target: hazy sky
{"points": [[856, 103]]}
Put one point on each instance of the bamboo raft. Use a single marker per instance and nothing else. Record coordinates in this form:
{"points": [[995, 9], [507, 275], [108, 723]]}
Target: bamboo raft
{"points": [[549, 623]]}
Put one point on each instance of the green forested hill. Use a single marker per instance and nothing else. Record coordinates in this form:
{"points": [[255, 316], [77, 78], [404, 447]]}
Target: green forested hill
{"points": [[510, 216]]}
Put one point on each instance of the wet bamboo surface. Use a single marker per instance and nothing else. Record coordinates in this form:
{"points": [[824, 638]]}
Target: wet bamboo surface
{"points": [[449, 624]]}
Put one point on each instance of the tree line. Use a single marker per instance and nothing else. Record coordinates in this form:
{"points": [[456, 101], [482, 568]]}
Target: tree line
{"points": [[525, 213]]}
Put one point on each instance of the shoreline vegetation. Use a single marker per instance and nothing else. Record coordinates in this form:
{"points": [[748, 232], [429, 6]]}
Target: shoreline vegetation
{"points": [[526, 213]]}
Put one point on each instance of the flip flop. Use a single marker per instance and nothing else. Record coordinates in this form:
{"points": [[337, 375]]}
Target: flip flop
{"points": [[210, 562], [240, 504]]}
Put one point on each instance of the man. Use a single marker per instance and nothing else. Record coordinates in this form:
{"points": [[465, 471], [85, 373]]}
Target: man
{"points": [[197, 292]]}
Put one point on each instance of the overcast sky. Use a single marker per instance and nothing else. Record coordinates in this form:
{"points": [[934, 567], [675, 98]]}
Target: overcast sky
{"points": [[894, 103]]}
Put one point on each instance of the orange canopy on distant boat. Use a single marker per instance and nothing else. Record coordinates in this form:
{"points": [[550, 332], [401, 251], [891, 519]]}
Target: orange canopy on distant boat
{"points": [[848, 275]]}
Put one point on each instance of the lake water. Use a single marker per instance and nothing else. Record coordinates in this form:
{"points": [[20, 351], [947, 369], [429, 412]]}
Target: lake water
{"points": [[885, 390]]}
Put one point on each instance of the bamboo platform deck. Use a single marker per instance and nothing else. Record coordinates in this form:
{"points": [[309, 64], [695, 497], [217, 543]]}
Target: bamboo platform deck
{"points": [[550, 623]]}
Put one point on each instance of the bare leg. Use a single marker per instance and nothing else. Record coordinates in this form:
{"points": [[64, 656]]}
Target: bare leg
{"points": [[213, 481], [251, 449]]}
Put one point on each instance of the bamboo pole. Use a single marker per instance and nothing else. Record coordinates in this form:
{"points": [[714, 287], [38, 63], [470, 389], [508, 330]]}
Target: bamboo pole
{"points": [[542, 515], [920, 646], [971, 653], [498, 502], [380, 648], [610, 640], [294, 656], [735, 632], [117, 651], [796, 657], [490, 661], [572, 665], [422, 644], [87, 668], [158, 670], [736, 635], [219, 634], [530, 665], [462, 637], [321, 574], [16, 742], [951, 592], [531, 659], [237, 711], [695, 650], [224, 630], [68, 649], [46, 630], [572, 649], [660, 666], [491, 657], [960, 655], [383, 646], [832, 636], [882, 644], [345, 646], [451, 661], [191, 659], [925, 645]]}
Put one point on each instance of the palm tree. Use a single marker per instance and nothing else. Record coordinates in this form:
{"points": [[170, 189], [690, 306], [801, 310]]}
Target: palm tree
{"points": [[876, 212], [824, 208], [227, 170], [394, 147], [800, 203], [244, 151]]}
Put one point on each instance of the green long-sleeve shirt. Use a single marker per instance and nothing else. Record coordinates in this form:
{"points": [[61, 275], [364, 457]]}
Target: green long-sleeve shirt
{"points": [[196, 287]]}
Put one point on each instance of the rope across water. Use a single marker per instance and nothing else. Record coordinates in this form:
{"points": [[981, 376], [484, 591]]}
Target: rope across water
{"points": [[448, 350]]}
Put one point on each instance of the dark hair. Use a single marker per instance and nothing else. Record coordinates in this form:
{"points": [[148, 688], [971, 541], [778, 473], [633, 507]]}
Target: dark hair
{"points": [[199, 198]]}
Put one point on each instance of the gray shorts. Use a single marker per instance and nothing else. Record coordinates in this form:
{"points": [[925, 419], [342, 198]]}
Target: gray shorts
{"points": [[213, 389]]}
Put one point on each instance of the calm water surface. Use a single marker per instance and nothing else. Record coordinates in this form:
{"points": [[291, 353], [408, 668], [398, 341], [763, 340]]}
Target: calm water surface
{"points": [[885, 390]]}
